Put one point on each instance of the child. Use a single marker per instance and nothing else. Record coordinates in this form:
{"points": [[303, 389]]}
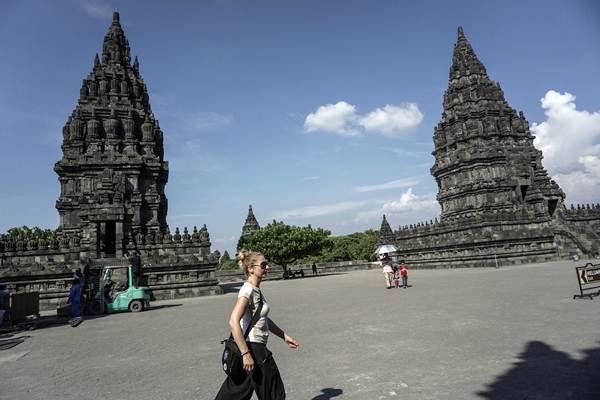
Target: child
{"points": [[404, 274], [396, 277]]}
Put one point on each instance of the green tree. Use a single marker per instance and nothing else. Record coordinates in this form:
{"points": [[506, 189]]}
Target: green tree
{"points": [[356, 246], [284, 244], [27, 233], [226, 262]]}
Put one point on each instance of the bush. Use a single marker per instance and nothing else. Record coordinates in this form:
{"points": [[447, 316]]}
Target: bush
{"points": [[27, 233], [226, 263], [285, 244]]}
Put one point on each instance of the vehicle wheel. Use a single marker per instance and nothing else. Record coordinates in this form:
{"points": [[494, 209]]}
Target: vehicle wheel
{"points": [[96, 307], [136, 306]]}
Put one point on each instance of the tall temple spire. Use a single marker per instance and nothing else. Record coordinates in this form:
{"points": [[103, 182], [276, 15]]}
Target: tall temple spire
{"points": [[113, 153], [115, 49], [251, 223], [485, 159], [464, 59], [468, 81], [386, 235]]}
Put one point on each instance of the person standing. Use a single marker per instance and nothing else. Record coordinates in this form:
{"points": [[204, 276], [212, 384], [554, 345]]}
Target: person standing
{"points": [[388, 271], [261, 372], [77, 274], [314, 269], [75, 299], [396, 276], [135, 261], [404, 274], [4, 294], [85, 284]]}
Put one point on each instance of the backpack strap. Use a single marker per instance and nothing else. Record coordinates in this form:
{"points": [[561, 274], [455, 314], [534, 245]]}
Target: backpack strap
{"points": [[255, 316]]}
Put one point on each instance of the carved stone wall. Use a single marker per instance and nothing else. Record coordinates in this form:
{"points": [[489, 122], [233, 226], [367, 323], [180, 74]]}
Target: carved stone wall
{"points": [[178, 265]]}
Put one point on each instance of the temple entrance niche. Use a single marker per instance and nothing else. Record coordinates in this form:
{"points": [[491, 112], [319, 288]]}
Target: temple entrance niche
{"points": [[552, 203], [107, 239], [524, 191]]}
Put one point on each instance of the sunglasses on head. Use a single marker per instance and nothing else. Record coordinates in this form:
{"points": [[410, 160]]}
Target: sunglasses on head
{"points": [[262, 265]]}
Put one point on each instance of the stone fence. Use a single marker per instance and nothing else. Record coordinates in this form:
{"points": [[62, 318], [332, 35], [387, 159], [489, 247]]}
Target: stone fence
{"points": [[276, 272], [63, 248], [583, 209], [433, 227], [179, 265], [169, 277]]}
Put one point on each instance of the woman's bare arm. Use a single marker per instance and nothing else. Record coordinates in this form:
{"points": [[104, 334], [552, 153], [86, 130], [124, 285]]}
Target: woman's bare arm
{"points": [[277, 331], [239, 309], [236, 331]]}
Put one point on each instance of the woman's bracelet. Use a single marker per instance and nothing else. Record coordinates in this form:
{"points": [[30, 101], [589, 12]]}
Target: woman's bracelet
{"points": [[246, 352]]}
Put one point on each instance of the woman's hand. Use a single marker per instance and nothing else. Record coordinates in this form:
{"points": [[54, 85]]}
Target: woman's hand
{"points": [[248, 362], [291, 342]]}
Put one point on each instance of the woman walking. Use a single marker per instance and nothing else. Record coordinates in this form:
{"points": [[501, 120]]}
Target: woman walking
{"points": [[261, 373], [388, 272]]}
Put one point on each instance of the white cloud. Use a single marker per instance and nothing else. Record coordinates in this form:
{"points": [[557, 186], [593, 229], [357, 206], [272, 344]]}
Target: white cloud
{"points": [[569, 140], [228, 239], [191, 158], [311, 178], [342, 119], [408, 205], [208, 120], [185, 216], [339, 118], [194, 122], [400, 183], [187, 120], [320, 210], [407, 153], [392, 120], [98, 9], [409, 202]]}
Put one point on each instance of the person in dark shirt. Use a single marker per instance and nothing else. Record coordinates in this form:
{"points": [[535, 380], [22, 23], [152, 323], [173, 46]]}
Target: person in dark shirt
{"points": [[75, 299], [136, 266], [4, 293]]}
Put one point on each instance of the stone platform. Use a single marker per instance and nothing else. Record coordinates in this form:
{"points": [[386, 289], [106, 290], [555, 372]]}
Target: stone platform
{"points": [[480, 333]]}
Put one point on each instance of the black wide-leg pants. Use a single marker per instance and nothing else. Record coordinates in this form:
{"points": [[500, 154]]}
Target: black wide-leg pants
{"points": [[264, 379]]}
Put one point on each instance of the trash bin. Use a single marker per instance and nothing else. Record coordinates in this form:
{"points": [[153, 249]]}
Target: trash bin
{"points": [[23, 304]]}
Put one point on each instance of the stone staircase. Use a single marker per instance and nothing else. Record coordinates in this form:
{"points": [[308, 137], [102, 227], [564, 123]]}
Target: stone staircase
{"points": [[585, 239]]}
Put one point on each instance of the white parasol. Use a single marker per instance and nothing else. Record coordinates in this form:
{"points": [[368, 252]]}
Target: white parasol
{"points": [[386, 248]]}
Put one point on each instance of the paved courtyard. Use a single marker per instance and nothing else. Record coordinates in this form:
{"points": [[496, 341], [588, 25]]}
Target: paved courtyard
{"points": [[507, 333]]}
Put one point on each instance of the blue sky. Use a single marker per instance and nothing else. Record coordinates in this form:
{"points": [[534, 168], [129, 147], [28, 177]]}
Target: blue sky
{"points": [[317, 112]]}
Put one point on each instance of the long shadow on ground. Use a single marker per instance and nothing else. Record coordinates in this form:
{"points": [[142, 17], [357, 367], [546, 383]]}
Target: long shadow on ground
{"points": [[46, 322], [545, 373], [6, 344], [158, 307], [328, 393]]}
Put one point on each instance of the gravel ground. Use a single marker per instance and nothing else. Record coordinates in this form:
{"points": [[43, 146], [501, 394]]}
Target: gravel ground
{"points": [[508, 333]]}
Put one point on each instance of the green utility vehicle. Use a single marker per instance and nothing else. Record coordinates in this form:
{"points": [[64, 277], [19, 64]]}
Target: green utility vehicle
{"points": [[117, 293]]}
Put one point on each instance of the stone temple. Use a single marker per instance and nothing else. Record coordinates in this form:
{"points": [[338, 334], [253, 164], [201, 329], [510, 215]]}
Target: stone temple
{"points": [[497, 201], [251, 223], [112, 193], [113, 173]]}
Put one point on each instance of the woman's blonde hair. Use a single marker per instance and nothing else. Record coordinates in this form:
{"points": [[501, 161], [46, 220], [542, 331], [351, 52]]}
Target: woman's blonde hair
{"points": [[246, 258]]}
